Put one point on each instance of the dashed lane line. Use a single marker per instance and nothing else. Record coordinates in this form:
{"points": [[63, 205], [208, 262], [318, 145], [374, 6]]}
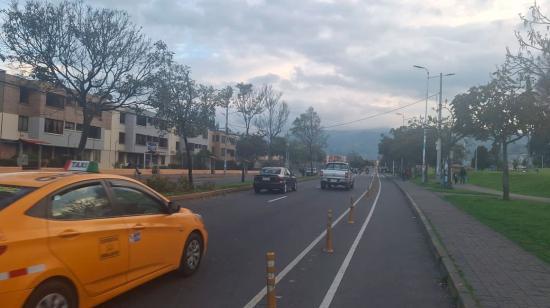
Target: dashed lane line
{"points": [[276, 199]]}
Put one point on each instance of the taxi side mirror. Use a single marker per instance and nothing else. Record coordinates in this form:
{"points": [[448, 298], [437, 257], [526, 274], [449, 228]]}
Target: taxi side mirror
{"points": [[173, 207]]}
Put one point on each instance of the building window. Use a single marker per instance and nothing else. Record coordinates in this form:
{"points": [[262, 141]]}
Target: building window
{"points": [[24, 94], [53, 126], [94, 132], [78, 127], [121, 138], [231, 152], [122, 118], [163, 142], [163, 160], [223, 139], [70, 125], [222, 152], [23, 124], [55, 100], [141, 139], [141, 120]]}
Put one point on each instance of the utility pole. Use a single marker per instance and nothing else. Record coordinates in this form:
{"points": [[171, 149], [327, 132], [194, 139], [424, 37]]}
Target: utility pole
{"points": [[424, 170], [226, 137], [438, 144]]}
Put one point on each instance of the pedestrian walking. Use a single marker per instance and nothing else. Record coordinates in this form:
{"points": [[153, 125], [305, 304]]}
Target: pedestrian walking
{"points": [[455, 178], [462, 175]]}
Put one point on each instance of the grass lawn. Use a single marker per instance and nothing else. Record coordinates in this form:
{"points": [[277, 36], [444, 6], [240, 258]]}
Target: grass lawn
{"points": [[526, 223], [525, 183]]}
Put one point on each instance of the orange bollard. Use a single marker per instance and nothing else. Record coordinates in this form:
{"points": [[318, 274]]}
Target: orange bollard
{"points": [[351, 208], [328, 248], [271, 300]]}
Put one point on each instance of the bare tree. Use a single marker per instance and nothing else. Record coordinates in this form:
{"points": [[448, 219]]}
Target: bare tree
{"points": [[533, 56], [249, 104], [272, 122], [98, 57], [307, 129], [184, 105]]}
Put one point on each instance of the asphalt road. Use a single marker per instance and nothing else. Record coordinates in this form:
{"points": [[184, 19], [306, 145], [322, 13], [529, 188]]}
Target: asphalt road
{"points": [[382, 260]]}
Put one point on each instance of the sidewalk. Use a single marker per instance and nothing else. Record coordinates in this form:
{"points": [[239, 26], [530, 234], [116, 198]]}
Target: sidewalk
{"points": [[499, 193], [500, 272]]}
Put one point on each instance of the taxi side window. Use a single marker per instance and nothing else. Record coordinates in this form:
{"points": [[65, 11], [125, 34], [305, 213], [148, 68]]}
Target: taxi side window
{"points": [[134, 202], [82, 202]]}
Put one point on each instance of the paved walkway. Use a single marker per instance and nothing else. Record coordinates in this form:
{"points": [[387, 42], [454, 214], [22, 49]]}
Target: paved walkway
{"points": [[500, 272], [499, 193]]}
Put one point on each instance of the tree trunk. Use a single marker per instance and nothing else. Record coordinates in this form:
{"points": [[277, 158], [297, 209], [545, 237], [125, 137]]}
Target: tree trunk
{"points": [[189, 162], [243, 171], [505, 172], [87, 120]]}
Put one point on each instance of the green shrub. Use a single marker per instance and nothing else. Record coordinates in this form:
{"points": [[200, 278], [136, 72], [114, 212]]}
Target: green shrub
{"points": [[161, 184]]}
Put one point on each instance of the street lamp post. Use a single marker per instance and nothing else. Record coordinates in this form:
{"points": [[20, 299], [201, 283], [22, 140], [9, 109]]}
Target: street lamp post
{"points": [[439, 119], [403, 115], [424, 177]]}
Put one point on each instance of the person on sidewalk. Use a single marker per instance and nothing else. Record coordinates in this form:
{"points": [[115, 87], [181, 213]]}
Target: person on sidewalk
{"points": [[462, 175]]}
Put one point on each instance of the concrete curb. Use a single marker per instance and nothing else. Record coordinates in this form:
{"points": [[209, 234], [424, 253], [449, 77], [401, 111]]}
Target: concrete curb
{"points": [[219, 192], [457, 285]]}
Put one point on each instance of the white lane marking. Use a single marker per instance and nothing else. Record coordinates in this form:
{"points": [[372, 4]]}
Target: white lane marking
{"points": [[273, 200], [329, 296], [256, 299]]}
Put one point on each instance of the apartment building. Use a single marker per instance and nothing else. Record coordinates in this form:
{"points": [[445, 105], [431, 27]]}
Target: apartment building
{"points": [[220, 141], [141, 139], [41, 125], [45, 125]]}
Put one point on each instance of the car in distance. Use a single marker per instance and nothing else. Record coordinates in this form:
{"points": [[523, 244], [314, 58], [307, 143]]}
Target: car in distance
{"points": [[337, 174], [275, 178], [78, 239], [311, 172]]}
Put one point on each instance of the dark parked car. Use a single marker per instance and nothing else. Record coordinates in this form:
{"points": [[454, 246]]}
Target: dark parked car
{"points": [[275, 178]]}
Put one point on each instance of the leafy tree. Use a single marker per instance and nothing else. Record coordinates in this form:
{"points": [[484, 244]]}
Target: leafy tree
{"points": [[272, 122], [184, 105], [97, 57], [504, 110], [356, 161], [484, 160], [278, 146], [249, 104], [249, 147], [307, 129]]}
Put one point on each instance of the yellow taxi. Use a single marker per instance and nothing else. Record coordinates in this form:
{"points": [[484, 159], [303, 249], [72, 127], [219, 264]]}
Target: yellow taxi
{"points": [[74, 239]]}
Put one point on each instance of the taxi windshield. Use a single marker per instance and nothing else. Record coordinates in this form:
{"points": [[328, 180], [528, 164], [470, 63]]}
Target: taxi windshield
{"points": [[10, 194]]}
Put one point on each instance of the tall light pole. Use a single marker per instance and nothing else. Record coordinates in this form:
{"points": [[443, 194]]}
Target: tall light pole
{"points": [[403, 115], [424, 177], [439, 119]]}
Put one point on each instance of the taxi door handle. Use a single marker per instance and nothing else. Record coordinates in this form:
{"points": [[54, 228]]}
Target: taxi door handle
{"points": [[69, 234], [138, 227]]}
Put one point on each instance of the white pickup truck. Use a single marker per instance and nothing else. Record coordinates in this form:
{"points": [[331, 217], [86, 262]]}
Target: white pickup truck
{"points": [[337, 174]]}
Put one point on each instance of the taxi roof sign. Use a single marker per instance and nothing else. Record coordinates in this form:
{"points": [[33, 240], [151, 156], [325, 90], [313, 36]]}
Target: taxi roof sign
{"points": [[82, 165]]}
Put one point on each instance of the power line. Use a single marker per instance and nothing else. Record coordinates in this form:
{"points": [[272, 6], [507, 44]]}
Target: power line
{"points": [[381, 113]]}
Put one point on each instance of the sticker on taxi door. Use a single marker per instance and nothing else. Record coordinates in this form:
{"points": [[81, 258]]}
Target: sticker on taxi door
{"points": [[135, 237], [109, 247]]}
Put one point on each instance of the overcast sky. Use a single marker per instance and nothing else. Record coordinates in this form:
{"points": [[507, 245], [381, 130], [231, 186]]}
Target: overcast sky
{"points": [[348, 59]]}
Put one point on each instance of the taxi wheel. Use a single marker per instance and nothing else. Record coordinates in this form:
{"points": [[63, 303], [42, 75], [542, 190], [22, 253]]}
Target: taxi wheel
{"points": [[192, 255], [53, 294]]}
